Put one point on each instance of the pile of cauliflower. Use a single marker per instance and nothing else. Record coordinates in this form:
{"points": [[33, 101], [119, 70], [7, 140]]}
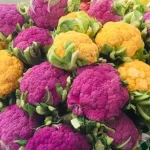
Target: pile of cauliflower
{"points": [[75, 75]]}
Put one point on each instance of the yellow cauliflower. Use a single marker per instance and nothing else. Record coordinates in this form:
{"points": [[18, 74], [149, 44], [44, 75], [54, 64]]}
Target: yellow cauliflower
{"points": [[117, 34], [137, 74], [73, 49], [11, 69]]}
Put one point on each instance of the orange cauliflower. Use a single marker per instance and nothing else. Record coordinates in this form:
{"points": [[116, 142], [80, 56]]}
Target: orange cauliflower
{"points": [[73, 49], [137, 74], [117, 34], [11, 69]]}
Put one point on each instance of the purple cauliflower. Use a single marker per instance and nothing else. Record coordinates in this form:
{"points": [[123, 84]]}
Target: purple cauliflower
{"points": [[30, 43], [9, 18], [146, 19], [46, 13], [60, 137], [41, 79], [15, 124], [126, 135], [34, 34], [97, 93], [102, 11]]}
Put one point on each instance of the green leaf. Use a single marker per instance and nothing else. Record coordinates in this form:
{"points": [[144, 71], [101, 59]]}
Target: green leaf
{"points": [[21, 142], [59, 89], [75, 122], [144, 111], [40, 110]]}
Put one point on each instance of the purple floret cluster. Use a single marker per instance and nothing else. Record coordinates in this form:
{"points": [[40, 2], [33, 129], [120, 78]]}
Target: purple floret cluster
{"points": [[59, 137], [15, 124], [46, 14], [9, 18], [34, 34], [125, 131], [102, 11], [40, 77], [146, 19], [97, 93]]}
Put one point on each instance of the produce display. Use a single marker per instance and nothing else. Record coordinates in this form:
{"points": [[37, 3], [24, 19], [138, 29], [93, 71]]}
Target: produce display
{"points": [[75, 75]]}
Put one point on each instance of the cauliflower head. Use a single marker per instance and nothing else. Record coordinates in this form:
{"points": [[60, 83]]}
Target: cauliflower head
{"points": [[102, 11], [11, 69], [137, 74], [97, 93], [73, 49], [46, 13], [9, 18], [79, 22], [41, 79], [15, 124], [60, 137], [117, 34], [126, 135]]}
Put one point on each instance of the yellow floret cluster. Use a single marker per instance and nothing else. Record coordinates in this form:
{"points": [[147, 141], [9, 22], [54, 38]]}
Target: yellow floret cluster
{"points": [[11, 69], [137, 74], [120, 34], [88, 50]]}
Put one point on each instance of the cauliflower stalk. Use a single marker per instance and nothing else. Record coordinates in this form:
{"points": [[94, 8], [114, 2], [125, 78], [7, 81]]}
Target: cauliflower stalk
{"points": [[137, 75], [79, 22], [71, 50], [31, 44], [121, 40]]}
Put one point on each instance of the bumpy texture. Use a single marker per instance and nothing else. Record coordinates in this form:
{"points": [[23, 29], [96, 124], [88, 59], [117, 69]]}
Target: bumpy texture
{"points": [[11, 69], [120, 34], [38, 78], [30, 35], [102, 11], [146, 18], [15, 124], [46, 14], [9, 18], [124, 130], [137, 74], [88, 50], [60, 137], [97, 93]]}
